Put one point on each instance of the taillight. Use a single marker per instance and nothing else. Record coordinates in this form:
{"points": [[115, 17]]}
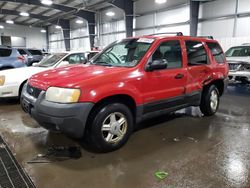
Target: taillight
{"points": [[21, 58]]}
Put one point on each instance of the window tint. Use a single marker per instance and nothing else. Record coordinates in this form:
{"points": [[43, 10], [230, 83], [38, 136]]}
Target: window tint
{"points": [[196, 53], [217, 52], [35, 52], [5, 52], [22, 52], [171, 51]]}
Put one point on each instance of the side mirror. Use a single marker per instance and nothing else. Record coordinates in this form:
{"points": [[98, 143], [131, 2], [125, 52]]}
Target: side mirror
{"points": [[157, 65], [63, 63]]}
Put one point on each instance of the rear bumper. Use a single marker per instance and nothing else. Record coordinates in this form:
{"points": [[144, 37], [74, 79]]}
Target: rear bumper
{"points": [[66, 118], [239, 76]]}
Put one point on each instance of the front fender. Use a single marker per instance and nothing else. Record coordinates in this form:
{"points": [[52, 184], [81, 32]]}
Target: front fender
{"points": [[121, 88]]}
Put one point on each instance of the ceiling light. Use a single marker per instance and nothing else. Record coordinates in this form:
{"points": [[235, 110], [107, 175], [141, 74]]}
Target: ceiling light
{"points": [[160, 1], [79, 21], [110, 13], [43, 31], [24, 14], [58, 27], [47, 2], [1, 27], [9, 22]]}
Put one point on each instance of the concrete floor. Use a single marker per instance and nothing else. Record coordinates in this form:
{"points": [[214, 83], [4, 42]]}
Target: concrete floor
{"points": [[196, 151]]}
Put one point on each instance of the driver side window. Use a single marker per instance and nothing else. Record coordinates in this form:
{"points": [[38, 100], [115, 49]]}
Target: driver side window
{"points": [[170, 51]]}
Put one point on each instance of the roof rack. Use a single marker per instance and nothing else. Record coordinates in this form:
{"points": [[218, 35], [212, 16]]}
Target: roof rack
{"points": [[168, 33], [209, 37]]}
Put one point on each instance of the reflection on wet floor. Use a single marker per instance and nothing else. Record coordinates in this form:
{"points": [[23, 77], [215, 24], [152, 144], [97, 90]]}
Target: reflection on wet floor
{"points": [[195, 151]]}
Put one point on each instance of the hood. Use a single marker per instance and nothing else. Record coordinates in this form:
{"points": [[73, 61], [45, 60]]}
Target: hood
{"points": [[73, 76], [238, 59]]}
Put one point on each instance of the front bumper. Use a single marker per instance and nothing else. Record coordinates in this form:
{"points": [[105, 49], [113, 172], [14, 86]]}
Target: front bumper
{"points": [[9, 91], [66, 118], [239, 76]]}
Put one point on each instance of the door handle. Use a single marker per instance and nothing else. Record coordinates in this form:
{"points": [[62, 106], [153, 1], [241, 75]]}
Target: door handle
{"points": [[179, 76]]}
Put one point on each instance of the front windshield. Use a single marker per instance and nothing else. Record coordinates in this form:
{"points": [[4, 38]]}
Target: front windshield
{"points": [[51, 60], [126, 53], [241, 51]]}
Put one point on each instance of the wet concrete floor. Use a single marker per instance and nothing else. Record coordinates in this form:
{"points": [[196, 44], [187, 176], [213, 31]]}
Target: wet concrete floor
{"points": [[195, 151]]}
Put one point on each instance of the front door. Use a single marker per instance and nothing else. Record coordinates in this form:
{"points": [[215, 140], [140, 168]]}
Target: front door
{"points": [[165, 88]]}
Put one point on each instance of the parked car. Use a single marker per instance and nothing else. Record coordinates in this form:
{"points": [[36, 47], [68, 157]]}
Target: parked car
{"points": [[238, 58], [129, 81], [31, 55], [10, 58], [12, 81]]}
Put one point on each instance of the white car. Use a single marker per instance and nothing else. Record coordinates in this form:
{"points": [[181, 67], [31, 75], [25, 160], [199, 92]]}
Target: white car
{"points": [[12, 80], [238, 58]]}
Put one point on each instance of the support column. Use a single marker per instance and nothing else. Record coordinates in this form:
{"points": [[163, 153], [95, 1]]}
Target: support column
{"points": [[90, 17], [128, 7], [194, 16], [66, 33], [47, 39]]}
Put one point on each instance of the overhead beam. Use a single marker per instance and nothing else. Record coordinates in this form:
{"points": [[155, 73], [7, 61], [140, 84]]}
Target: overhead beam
{"points": [[128, 7], [194, 17]]}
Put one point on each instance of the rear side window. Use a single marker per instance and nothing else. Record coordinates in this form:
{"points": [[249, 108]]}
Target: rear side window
{"points": [[196, 53], [35, 52], [217, 52], [5, 52], [22, 52]]}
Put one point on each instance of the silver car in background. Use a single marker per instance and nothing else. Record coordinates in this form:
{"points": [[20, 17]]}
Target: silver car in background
{"points": [[10, 58], [238, 58], [31, 55]]}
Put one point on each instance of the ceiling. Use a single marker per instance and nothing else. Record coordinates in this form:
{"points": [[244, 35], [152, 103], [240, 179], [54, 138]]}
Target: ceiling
{"points": [[46, 11], [41, 15]]}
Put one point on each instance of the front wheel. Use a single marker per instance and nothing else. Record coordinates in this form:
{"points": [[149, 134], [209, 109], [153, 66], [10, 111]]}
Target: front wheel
{"points": [[109, 128], [210, 100]]}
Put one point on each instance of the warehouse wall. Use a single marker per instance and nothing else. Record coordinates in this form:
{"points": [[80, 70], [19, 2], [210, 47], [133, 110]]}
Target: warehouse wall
{"points": [[218, 19], [34, 38]]}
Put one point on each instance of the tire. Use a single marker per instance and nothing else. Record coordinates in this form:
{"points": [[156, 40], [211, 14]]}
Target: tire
{"points": [[101, 138], [210, 100]]}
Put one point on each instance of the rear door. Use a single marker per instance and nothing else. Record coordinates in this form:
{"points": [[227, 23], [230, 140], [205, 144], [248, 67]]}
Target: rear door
{"points": [[165, 88], [199, 69]]}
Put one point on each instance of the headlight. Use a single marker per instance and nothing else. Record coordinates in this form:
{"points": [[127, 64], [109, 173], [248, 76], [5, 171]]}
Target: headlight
{"points": [[2, 80], [62, 95]]}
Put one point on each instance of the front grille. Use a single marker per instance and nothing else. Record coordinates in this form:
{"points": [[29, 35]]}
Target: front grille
{"points": [[35, 92], [234, 66], [11, 173]]}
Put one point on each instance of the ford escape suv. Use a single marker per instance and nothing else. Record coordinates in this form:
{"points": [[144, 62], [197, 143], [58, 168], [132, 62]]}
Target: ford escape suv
{"points": [[129, 81]]}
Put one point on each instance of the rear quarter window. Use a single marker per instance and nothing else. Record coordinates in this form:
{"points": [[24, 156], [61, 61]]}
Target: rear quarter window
{"points": [[5, 52], [22, 52], [217, 52], [35, 52]]}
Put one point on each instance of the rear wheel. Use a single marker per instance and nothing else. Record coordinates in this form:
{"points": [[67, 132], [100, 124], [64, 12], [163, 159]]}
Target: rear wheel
{"points": [[109, 128], [210, 100]]}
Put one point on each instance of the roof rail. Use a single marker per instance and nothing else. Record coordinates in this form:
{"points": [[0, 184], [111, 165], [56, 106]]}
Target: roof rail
{"points": [[168, 33], [246, 44], [209, 37]]}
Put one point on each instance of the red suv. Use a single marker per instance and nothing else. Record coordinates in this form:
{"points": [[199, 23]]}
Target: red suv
{"points": [[129, 81]]}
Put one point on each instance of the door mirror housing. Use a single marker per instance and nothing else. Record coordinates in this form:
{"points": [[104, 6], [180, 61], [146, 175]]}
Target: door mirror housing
{"points": [[157, 65], [63, 63]]}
